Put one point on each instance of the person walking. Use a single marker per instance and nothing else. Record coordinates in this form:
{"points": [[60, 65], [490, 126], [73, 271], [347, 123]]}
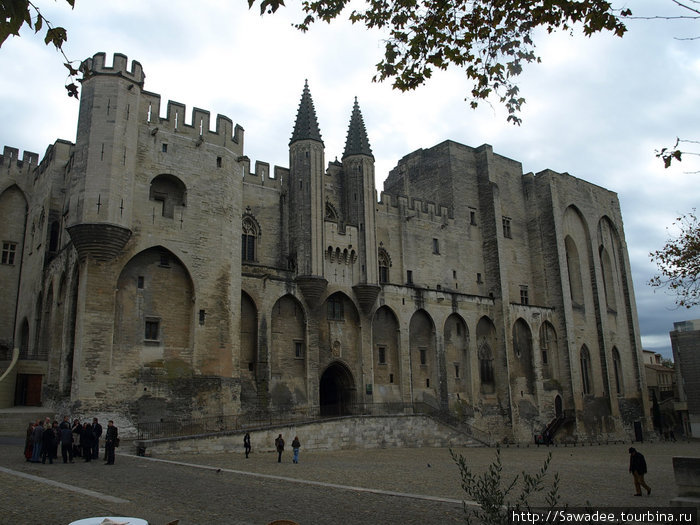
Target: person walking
{"points": [[279, 445], [246, 444], [111, 441], [638, 467], [296, 445]]}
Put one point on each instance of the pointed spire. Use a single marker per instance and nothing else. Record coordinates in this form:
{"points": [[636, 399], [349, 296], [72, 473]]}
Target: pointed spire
{"points": [[306, 125], [357, 142]]}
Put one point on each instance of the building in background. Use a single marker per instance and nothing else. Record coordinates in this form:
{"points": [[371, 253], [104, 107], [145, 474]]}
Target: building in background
{"points": [[150, 274], [685, 342]]}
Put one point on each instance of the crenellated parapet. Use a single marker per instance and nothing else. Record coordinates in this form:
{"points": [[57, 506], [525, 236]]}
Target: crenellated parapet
{"points": [[10, 160], [96, 66], [408, 208], [262, 175], [197, 126]]}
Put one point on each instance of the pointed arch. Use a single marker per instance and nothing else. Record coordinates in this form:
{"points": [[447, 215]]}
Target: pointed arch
{"points": [[522, 348], [386, 355], [617, 371], [456, 336], [288, 348], [586, 371], [485, 344], [549, 350], [248, 359], [154, 308], [424, 363], [384, 265], [250, 232]]}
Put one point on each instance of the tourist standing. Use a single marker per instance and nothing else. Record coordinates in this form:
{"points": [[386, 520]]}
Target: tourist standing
{"points": [[86, 442], [48, 444], [37, 441], [246, 444], [296, 445], [96, 433], [28, 443], [77, 431], [279, 445], [111, 442], [66, 437], [638, 467]]}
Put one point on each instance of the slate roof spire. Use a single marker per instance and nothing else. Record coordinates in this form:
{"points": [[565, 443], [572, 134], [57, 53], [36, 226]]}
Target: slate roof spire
{"points": [[306, 125], [357, 142]]}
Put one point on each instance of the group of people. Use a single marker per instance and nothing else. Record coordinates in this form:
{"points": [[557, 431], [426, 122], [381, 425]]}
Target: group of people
{"points": [[279, 447], [77, 440]]}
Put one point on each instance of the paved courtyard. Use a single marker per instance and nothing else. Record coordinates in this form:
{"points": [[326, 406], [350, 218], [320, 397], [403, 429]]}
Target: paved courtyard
{"points": [[390, 486]]}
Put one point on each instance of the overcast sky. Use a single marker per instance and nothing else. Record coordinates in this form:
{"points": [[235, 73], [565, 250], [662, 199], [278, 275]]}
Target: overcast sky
{"points": [[596, 108]]}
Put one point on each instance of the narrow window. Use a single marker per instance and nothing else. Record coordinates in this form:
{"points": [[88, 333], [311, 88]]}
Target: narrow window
{"points": [[423, 356], [152, 329], [427, 383], [391, 378], [202, 317], [382, 355], [298, 350], [436, 246], [218, 162], [454, 274], [165, 148], [139, 282], [456, 371], [472, 217], [164, 261], [409, 276], [8, 252], [479, 280], [523, 295], [506, 227]]}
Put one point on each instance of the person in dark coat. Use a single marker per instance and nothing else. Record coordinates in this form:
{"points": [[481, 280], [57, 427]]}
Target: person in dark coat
{"points": [[296, 445], [66, 437], [638, 467], [279, 445], [37, 440], [111, 439], [246, 444], [28, 443], [96, 432], [48, 444], [87, 442]]}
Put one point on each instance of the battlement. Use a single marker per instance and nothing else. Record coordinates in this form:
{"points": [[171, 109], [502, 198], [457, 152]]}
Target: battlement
{"points": [[262, 176], [425, 210], [10, 157], [96, 66], [226, 133]]}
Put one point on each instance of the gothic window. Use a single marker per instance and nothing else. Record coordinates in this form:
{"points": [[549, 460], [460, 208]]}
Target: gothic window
{"points": [[9, 250], [384, 264], [608, 282], [586, 371], [331, 213], [335, 309], [249, 239]]}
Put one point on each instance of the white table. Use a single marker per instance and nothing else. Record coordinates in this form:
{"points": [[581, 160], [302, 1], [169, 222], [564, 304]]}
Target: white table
{"points": [[118, 519]]}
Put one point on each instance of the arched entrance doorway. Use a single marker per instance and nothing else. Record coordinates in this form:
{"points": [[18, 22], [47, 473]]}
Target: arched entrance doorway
{"points": [[336, 390]]}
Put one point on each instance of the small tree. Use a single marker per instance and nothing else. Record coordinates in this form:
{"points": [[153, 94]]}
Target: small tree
{"points": [[679, 262], [495, 496]]}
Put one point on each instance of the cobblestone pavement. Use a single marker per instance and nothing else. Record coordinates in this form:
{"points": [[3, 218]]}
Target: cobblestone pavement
{"points": [[348, 487]]}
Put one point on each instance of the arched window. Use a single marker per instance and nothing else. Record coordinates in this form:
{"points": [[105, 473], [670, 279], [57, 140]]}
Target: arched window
{"points": [[586, 371], [170, 192], [249, 240], [486, 367], [384, 264]]}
